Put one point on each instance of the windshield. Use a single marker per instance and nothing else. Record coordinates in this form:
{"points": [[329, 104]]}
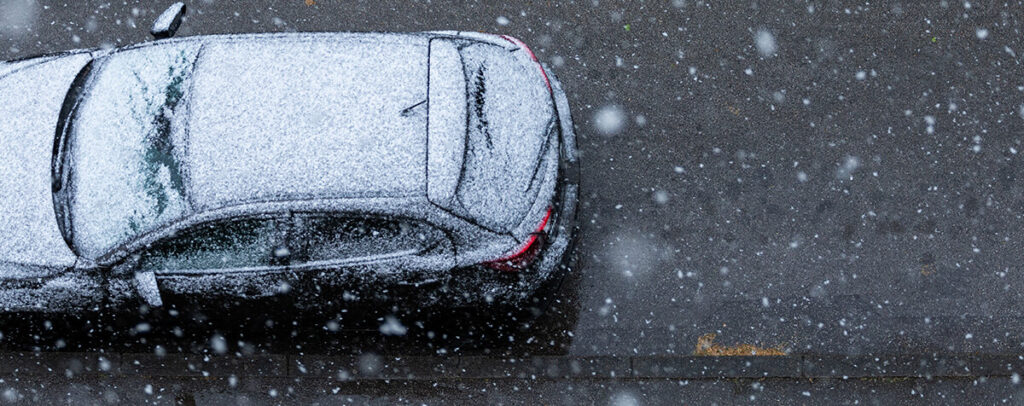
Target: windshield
{"points": [[123, 163]]}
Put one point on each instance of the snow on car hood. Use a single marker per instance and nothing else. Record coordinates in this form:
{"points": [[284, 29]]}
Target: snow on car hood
{"points": [[32, 100]]}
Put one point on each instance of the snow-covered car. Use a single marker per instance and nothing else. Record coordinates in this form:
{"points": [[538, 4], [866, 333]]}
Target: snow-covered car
{"points": [[436, 167]]}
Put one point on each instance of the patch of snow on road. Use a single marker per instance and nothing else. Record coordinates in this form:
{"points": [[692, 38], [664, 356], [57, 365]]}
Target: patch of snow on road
{"points": [[765, 42], [637, 255], [661, 197], [849, 165], [930, 120], [610, 120]]}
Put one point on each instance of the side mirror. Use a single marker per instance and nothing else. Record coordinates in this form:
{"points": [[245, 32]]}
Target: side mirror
{"points": [[168, 22], [144, 281]]}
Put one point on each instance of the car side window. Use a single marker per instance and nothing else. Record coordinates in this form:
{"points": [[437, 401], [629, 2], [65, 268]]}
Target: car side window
{"points": [[223, 245], [328, 238]]}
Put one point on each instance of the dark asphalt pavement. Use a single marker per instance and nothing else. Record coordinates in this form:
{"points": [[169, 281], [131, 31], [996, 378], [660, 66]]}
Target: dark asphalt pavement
{"points": [[858, 191]]}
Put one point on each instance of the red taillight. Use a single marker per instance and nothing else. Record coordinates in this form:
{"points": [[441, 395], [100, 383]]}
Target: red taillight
{"points": [[529, 52], [522, 258]]}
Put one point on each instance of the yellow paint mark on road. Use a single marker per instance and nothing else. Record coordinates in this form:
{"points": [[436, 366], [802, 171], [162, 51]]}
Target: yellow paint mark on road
{"points": [[707, 347], [927, 269]]}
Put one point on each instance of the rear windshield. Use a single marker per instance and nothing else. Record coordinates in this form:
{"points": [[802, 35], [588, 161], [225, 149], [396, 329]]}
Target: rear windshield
{"points": [[125, 163], [510, 116]]}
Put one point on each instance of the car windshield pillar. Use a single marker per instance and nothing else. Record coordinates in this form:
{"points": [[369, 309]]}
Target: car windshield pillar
{"points": [[59, 168]]}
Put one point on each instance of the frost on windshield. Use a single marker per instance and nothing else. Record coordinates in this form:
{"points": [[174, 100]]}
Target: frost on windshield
{"points": [[127, 164]]}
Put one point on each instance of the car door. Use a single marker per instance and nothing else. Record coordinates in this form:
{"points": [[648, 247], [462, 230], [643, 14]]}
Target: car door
{"points": [[412, 251], [236, 247], [41, 288]]}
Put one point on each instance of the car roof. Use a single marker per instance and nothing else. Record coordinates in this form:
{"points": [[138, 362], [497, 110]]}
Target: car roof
{"points": [[291, 117]]}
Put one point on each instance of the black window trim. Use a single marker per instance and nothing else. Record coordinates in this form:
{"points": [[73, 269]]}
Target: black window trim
{"points": [[117, 255]]}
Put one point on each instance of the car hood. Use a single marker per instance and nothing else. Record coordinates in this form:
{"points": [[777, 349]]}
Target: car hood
{"points": [[32, 96]]}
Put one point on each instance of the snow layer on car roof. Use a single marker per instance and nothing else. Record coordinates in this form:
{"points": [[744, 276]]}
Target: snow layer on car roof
{"points": [[308, 116]]}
